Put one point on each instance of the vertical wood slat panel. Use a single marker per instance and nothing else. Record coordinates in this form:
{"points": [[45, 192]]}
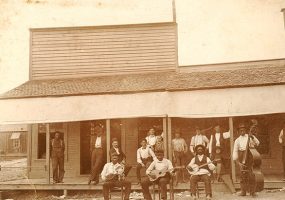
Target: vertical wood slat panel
{"points": [[98, 50]]}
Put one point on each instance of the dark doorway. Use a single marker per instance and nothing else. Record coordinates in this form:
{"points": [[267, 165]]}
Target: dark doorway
{"points": [[86, 128]]}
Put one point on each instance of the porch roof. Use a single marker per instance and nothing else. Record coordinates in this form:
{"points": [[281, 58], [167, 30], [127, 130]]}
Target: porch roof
{"points": [[149, 82]]}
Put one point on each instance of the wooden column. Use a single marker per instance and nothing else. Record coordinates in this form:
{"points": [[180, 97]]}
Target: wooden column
{"points": [[29, 149], [231, 125], [48, 153], [169, 129], [165, 136], [108, 137]]}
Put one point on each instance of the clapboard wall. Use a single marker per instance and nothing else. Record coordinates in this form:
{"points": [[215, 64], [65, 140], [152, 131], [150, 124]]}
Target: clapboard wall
{"points": [[88, 51]]}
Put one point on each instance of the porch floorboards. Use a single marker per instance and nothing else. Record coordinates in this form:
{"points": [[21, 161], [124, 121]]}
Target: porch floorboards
{"points": [[80, 183]]}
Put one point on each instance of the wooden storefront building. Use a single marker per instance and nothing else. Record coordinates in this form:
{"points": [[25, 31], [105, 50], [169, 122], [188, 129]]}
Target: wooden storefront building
{"points": [[127, 78]]}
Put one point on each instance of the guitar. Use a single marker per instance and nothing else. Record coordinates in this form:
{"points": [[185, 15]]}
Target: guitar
{"points": [[195, 168], [155, 174], [118, 175]]}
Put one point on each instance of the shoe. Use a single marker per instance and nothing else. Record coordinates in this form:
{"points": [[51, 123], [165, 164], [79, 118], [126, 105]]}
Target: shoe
{"points": [[89, 182], [208, 197], [96, 182], [242, 194], [253, 194], [139, 182]]}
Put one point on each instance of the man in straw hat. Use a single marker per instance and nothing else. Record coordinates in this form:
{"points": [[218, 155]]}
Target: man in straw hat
{"points": [[240, 147], [201, 173]]}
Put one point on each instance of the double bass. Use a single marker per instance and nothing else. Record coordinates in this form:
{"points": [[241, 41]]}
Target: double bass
{"points": [[256, 165]]}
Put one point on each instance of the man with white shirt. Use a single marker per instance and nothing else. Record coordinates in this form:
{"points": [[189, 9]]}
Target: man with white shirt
{"points": [[203, 174], [98, 153], [198, 139], [161, 164], [113, 176], [240, 147], [145, 156], [219, 149]]}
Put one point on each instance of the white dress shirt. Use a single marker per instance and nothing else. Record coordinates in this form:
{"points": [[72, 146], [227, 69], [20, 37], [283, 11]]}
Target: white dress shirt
{"points": [[165, 164], [98, 143], [241, 142], [202, 171], [179, 144], [281, 137], [217, 136], [151, 140], [198, 139], [143, 153], [110, 168]]}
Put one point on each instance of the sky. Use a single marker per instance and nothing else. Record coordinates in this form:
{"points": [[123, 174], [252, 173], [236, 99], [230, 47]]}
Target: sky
{"points": [[209, 31]]}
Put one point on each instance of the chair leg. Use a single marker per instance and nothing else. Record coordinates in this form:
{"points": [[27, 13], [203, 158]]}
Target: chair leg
{"points": [[153, 191]]}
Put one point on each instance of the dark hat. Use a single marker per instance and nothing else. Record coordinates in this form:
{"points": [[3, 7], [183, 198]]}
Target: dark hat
{"points": [[241, 125], [199, 145]]}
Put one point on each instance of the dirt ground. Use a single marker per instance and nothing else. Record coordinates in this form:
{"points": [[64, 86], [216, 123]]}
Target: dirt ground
{"points": [[276, 195]]}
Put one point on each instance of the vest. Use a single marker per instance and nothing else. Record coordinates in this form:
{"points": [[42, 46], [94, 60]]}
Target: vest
{"points": [[214, 143], [202, 162]]}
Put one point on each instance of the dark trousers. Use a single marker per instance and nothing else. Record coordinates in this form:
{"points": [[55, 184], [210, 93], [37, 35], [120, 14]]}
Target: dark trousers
{"points": [[108, 185], [57, 166], [194, 183], [283, 160], [179, 161], [247, 179], [96, 163], [146, 162], [162, 182]]}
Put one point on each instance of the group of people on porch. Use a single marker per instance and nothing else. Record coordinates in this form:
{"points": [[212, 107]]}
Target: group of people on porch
{"points": [[209, 157]]}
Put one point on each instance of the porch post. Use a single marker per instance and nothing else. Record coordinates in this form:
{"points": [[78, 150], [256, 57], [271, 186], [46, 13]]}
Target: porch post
{"points": [[231, 125], [29, 148], [165, 136], [47, 153], [169, 131], [108, 137]]}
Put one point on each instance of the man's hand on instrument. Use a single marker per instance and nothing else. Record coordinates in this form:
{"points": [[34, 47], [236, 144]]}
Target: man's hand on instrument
{"points": [[152, 176], [190, 168], [143, 165], [109, 176]]}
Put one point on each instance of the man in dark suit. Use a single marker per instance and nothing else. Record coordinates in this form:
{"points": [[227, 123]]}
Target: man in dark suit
{"points": [[116, 149], [98, 153]]}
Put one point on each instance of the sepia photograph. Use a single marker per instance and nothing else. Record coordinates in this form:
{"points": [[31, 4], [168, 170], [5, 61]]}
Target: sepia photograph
{"points": [[142, 99]]}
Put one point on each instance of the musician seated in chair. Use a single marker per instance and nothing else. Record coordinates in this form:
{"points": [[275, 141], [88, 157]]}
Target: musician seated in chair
{"points": [[200, 168], [113, 176], [245, 160], [159, 172]]}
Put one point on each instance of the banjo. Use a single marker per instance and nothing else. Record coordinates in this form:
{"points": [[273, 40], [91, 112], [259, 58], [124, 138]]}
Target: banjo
{"points": [[195, 168]]}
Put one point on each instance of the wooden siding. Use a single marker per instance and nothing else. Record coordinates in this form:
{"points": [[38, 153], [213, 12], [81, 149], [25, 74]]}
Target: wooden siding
{"points": [[89, 51], [72, 153]]}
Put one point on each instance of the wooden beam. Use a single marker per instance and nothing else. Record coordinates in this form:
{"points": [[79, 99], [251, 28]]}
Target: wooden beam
{"points": [[165, 135], [108, 137], [48, 153], [169, 130], [174, 10], [231, 125]]}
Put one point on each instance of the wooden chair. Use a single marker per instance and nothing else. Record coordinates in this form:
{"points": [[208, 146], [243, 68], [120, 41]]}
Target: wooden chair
{"points": [[159, 190], [121, 189]]}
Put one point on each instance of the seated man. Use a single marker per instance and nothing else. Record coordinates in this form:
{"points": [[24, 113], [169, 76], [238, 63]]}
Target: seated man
{"points": [[160, 165], [145, 156], [200, 169], [113, 176]]}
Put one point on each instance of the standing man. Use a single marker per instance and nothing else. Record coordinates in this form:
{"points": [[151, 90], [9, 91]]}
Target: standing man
{"points": [[219, 149], [201, 174], [197, 139], [282, 142], [116, 149], [145, 156], [151, 138], [57, 156], [113, 176], [98, 153], [179, 149], [161, 164], [240, 147]]}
